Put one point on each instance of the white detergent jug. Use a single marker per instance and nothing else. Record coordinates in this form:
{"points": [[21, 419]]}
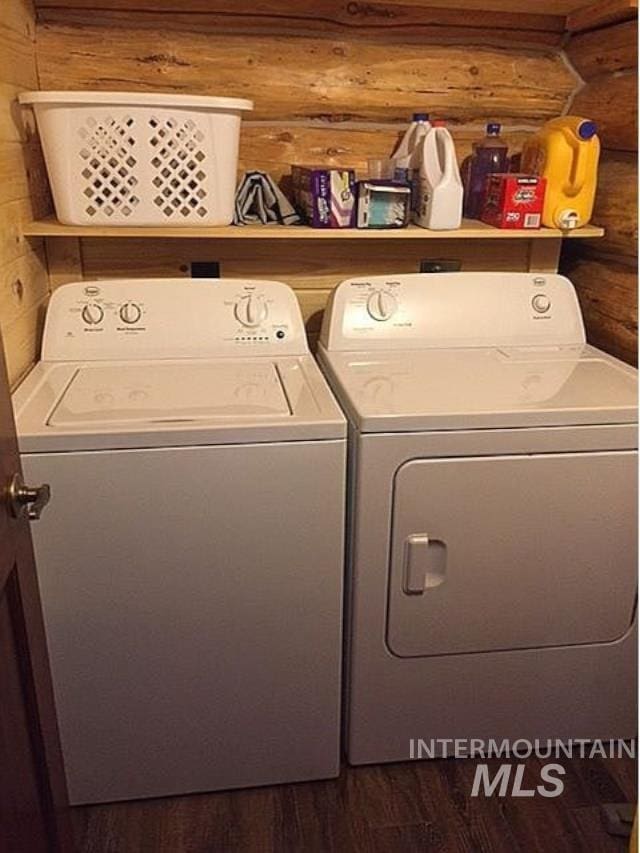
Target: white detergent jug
{"points": [[440, 192], [406, 156]]}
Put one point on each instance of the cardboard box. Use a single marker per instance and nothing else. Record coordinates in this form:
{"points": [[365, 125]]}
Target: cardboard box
{"points": [[383, 204], [514, 201], [325, 196]]}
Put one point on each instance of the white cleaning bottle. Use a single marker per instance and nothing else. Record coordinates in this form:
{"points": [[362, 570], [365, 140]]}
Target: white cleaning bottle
{"points": [[440, 191], [404, 158]]}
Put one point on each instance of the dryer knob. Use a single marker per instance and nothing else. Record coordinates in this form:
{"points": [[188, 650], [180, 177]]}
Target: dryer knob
{"points": [[541, 303], [381, 305], [251, 310]]}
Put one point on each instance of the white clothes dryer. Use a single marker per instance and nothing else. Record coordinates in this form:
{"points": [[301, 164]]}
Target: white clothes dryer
{"points": [[492, 522]]}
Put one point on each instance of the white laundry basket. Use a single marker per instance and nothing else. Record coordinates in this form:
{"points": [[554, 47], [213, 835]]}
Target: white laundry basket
{"points": [[133, 158]]}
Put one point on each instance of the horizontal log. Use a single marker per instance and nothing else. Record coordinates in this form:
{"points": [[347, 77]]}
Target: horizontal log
{"points": [[554, 10], [520, 7], [393, 22], [611, 100], [607, 292], [606, 50], [298, 78], [616, 207], [600, 13], [273, 148]]}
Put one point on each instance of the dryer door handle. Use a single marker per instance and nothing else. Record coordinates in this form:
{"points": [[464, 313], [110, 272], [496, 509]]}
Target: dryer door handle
{"points": [[425, 563]]}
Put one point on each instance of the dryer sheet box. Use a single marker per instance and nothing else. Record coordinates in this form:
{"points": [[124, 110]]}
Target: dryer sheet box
{"points": [[325, 197]]}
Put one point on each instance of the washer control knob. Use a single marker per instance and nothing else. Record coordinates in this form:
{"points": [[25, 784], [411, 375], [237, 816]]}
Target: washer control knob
{"points": [[381, 305], [251, 310], [541, 303], [92, 313], [130, 312]]}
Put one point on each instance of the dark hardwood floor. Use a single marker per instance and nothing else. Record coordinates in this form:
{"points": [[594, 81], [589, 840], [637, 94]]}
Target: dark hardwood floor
{"points": [[394, 808]]}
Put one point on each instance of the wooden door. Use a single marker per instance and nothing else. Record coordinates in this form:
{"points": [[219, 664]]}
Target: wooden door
{"points": [[34, 816]]}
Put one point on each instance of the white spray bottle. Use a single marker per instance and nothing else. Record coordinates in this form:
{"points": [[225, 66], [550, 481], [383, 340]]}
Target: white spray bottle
{"points": [[440, 191]]}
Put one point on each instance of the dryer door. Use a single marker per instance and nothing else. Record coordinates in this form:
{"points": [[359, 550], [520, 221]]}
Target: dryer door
{"points": [[512, 552]]}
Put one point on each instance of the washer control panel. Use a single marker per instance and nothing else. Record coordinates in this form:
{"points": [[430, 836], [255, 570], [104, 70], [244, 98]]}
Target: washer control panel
{"points": [[471, 309], [172, 318]]}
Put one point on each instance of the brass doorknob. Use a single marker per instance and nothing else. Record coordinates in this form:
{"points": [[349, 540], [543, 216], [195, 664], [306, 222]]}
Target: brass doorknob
{"points": [[27, 499]]}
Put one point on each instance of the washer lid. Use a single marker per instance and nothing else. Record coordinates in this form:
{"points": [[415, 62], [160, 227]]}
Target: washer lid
{"points": [[174, 403], [483, 388], [166, 393]]}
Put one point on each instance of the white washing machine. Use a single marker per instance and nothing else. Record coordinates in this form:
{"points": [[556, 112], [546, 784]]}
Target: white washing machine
{"points": [[493, 513], [191, 559]]}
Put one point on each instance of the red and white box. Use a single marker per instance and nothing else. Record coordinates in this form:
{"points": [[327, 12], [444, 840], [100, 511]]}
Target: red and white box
{"points": [[514, 200]]}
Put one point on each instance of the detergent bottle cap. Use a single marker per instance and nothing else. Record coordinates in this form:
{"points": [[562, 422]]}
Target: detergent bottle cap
{"points": [[587, 129], [421, 116], [438, 122], [493, 128]]}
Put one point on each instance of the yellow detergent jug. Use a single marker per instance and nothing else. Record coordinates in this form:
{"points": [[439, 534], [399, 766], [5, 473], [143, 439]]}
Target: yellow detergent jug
{"points": [[565, 151]]}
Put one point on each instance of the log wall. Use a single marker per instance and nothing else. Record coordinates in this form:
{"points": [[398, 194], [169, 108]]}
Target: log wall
{"points": [[334, 86], [605, 271]]}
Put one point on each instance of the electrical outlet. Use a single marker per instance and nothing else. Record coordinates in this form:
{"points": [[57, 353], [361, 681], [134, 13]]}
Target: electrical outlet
{"points": [[205, 269], [440, 265]]}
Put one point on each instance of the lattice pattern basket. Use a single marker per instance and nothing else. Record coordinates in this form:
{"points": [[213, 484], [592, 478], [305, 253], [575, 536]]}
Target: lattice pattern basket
{"points": [[121, 158]]}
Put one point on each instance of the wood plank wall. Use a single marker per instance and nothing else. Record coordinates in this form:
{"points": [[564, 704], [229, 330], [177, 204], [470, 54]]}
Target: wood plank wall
{"points": [[332, 87], [23, 194], [605, 271]]}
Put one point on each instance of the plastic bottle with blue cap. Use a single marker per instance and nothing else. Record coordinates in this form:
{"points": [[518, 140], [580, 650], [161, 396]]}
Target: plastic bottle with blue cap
{"points": [[489, 156], [439, 188], [565, 151], [405, 157]]}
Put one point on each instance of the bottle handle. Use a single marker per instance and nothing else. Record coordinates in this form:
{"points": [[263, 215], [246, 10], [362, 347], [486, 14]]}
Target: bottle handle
{"points": [[578, 173], [446, 162]]}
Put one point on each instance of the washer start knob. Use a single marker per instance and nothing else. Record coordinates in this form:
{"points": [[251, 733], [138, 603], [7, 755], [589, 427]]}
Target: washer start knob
{"points": [[251, 310]]}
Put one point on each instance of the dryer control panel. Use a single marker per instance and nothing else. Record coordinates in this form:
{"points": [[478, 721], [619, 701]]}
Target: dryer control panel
{"points": [[172, 318], [473, 309]]}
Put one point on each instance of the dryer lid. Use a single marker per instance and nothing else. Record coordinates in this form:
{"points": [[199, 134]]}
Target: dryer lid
{"points": [[170, 393], [483, 388]]}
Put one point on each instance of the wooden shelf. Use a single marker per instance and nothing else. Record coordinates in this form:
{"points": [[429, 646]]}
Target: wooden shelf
{"points": [[470, 230]]}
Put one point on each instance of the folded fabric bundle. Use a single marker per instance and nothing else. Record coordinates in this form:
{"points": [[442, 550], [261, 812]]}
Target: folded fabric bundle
{"points": [[260, 200]]}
